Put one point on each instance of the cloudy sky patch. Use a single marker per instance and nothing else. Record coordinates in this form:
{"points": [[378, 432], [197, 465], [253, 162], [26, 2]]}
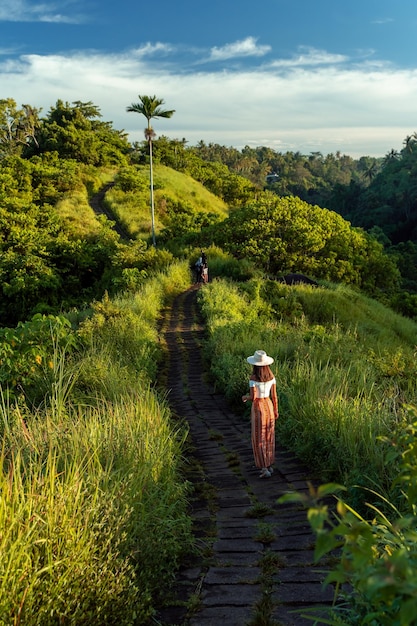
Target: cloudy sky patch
{"points": [[27, 11], [245, 48], [294, 76]]}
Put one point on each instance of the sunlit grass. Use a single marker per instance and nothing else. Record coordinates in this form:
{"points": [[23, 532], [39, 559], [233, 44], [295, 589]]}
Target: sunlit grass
{"points": [[93, 513], [78, 216], [172, 184], [86, 503], [345, 365], [132, 208]]}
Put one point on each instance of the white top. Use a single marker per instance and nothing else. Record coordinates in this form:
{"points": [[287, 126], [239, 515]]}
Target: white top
{"points": [[262, 389]]}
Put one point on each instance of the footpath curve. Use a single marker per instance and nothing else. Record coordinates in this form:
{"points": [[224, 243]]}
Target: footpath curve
{"points": [[257, 566], [99, 207]]}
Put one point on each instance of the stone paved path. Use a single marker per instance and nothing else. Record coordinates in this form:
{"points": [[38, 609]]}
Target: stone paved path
{"points": [[257, 565]]}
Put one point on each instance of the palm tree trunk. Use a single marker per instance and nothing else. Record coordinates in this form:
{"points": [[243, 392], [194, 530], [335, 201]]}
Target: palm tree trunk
{"points": [[151, 192]]}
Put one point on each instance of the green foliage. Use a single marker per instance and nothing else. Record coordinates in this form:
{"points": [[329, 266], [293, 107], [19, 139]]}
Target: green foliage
{"points": [[405, 255], [378, 556], [60, 257], [62, 539], [47, 261], [230, 316], [287, 235], [182, 220], [44, 261], [74, 132], [217, 177], [222, 264], [17, 127], [275, 235], [389, 202], [371, 193], [182, 205], [26, 355], [405, 303], [131, 178], [335, 181], [233, 189], [92, 515], [127, 324], [26, 233]]}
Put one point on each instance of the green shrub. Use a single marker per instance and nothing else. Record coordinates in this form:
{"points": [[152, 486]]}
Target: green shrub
{"points": [[378, 553], [26, 355]]}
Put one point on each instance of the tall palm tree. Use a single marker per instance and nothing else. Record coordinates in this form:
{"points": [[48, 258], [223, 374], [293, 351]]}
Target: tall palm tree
{"points": [[151, 108]]}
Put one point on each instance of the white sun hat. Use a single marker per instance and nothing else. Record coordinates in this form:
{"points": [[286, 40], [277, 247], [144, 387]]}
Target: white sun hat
{"points": [[260, 358]]}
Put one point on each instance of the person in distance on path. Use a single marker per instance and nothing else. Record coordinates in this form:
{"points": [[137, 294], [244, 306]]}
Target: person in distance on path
{"points": [[198, 269], [264, 411]]}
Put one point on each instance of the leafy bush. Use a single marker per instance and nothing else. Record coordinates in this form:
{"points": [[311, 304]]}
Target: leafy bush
{"points": [[378, 556], [27, 355], [286, 234], [130, 179]]}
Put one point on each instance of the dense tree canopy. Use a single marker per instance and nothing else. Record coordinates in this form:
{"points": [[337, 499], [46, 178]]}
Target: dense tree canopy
{"points": [[367, 191], [75, 131], [18, 127], [289, 235], [41, 266]]}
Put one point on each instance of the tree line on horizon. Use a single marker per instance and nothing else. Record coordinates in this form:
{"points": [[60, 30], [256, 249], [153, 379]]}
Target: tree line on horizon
{"points": [[44, 267]]}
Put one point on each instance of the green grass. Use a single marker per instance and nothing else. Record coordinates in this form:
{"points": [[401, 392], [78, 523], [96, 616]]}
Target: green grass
{"points": [[93, 514], [345, 366], [182, 188], [132, 207], [78, 217], [88, 504]]}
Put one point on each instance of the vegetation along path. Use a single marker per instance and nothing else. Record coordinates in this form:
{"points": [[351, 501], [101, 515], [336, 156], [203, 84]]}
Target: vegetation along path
{"points": [[257, 565]]}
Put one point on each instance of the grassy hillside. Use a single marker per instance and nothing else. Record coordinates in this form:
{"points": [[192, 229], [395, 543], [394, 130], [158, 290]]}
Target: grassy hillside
{"points": [[74, 208], [170, 184], [78, 216], [175, 194], [345, 367]]}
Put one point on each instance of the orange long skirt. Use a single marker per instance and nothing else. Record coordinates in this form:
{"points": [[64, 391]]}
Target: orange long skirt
{"points": [[263, 432]]}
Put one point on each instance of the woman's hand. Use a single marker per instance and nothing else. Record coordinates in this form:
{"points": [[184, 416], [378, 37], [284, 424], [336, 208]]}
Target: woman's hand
{"points": [[245, 398]]}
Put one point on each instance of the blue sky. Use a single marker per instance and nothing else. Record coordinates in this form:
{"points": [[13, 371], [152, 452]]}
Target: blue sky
{"points": [[295, 75]]}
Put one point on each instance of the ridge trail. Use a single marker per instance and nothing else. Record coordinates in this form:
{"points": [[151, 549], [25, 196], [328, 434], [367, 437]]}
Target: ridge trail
{"points": [[257, 566], [99, 207]]}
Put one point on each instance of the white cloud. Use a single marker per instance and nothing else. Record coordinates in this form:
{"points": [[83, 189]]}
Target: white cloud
{"points": [[24, 11], [245, 48], [359, 110], [310, 56], [151, 49]]}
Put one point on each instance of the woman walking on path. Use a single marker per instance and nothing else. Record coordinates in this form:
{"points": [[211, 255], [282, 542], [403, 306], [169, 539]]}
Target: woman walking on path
{"points": [[264, 411]]}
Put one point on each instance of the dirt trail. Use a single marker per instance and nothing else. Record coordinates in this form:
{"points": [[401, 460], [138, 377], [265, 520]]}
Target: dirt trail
{"points": [[99, 207], [257, 567]]}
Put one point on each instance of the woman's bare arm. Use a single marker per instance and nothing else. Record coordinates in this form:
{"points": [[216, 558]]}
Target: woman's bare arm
{"points": [[274, 399]]}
